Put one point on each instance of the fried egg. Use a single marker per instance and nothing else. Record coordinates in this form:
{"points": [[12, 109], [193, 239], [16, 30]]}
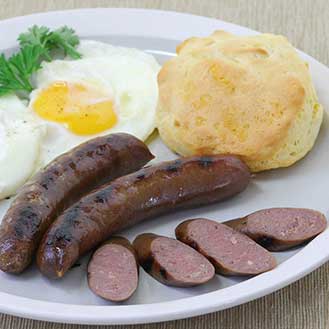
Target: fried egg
{"points": [[110, 89], [20, 139]]}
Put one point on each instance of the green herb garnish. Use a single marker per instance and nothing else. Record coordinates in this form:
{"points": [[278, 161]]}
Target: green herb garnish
{"points": [[36, 45]]}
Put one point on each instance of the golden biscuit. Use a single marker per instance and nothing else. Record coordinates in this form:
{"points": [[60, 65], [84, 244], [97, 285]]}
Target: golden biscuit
{"points": [[246, 95]]}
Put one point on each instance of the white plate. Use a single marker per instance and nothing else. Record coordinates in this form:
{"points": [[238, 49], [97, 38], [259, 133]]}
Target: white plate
{"points": [[303, 185]]}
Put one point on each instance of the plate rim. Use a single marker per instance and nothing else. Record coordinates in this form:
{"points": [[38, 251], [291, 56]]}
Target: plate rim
{"points": [[170, 310]]}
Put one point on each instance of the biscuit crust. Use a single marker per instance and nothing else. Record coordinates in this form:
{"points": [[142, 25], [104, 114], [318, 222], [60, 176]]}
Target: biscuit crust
{"points": [[250, 96]]}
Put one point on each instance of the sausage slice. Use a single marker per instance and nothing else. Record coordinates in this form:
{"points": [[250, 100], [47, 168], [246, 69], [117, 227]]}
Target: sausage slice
{"points": [[113, 270], [171, 262], [281, 228], [231, 252], [58, 186], [152, 191]]}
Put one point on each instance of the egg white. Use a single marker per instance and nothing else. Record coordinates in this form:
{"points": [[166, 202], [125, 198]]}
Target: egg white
{"points": [[20, 140]]}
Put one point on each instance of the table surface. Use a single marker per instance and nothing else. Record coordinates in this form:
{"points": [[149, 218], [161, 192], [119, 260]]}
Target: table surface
{"points": [[303, 304]]}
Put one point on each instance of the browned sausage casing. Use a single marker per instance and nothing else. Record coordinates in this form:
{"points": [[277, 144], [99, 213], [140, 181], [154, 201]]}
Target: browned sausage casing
{"points": [[171, 262], [183, 183], [113, 270], [58, 186], [231, 252], [281, 228]]}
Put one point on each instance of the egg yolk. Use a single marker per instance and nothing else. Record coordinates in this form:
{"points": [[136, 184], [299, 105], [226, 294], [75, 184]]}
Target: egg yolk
{"points": [[82, 110]]}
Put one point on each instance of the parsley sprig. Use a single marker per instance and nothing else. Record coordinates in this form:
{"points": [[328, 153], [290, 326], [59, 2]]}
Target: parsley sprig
{"points": [[36, 45]]}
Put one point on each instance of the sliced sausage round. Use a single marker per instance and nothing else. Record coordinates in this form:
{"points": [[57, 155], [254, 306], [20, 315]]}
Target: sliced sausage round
{"points": [[113, 270], [58, 186], [149, 192], [171, 262], [231, 252], [281, 228]]}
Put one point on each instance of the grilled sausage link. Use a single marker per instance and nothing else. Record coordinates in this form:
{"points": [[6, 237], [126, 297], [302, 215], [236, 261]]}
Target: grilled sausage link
{"points": [[59, 185], [183, 183]]}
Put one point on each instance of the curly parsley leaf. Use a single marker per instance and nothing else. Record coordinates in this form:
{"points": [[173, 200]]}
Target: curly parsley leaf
{"points": [[8, 79], [66, 39], [36, 45], [35, 35]]}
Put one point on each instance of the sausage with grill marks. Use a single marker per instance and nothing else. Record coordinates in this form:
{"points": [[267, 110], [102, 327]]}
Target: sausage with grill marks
{"points": [[59, 185], [152, 191]]}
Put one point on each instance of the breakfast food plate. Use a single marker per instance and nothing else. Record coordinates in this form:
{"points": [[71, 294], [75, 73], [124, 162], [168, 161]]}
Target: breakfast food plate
{"points": [[301, 185]]}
